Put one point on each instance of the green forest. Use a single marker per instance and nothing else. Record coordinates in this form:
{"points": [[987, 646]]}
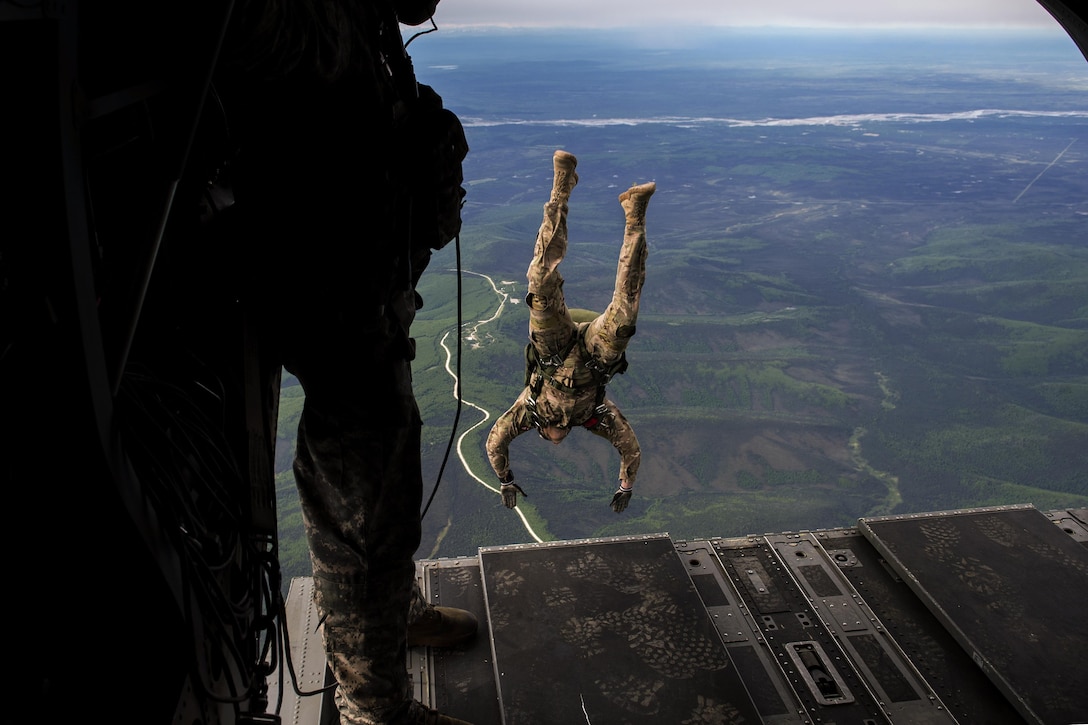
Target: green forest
{"points": [[798, 413], [848, 312]]}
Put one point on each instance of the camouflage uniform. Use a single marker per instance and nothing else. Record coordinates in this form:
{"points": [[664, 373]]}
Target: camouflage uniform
{"points": [[334, 158], [568, 396], [359, 482]]}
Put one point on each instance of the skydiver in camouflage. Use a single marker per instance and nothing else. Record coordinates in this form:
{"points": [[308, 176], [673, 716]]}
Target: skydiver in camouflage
{"points": [[570, 363]]}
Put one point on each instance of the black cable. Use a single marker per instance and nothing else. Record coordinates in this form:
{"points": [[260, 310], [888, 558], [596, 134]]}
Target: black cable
{"points": [[434, 27], [228, 580], [460, 382], [286, 647]]}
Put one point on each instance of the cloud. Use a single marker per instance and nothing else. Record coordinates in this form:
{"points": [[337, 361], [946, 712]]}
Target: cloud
{"points": [[847, 120], [640, 13]]}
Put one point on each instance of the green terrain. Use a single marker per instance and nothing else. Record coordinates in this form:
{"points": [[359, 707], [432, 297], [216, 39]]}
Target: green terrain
{"points": [[948, 373], [838, 321]]}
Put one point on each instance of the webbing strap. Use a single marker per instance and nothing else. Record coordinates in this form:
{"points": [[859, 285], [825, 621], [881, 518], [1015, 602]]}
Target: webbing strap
{"points": [[602, 374]]}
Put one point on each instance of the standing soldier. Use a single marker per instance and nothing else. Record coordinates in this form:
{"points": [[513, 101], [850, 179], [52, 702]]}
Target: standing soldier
{"points": [[348, 174], [568, 363]]}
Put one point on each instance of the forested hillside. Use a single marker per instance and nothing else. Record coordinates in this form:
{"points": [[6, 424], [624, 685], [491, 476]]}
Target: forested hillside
{"points": [[866, 292]]}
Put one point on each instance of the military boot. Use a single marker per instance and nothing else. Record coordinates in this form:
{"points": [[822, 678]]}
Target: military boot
{"points": [[634, 202], [420, 714], [442, 627], [565, 179]]}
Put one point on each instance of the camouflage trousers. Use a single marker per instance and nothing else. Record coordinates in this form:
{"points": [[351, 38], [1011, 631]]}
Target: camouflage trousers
{"points": [[550, 324], [357, 468]]}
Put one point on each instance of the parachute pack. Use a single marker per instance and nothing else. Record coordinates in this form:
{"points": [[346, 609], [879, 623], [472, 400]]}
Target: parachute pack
{"points": [[602, 374]]}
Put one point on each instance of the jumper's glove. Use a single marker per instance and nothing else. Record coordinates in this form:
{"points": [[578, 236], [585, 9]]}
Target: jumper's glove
{"points": [[620, 499], [510, 493]]}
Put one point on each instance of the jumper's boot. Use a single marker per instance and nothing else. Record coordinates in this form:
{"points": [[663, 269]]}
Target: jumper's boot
{"points": [[634, 202], [565, 178], [622, 311], [545, 282], [420, 714], [442, 627], [413, 712]]}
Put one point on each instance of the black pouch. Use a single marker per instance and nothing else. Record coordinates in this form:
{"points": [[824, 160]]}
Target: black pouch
{"points": [[432, 146]]}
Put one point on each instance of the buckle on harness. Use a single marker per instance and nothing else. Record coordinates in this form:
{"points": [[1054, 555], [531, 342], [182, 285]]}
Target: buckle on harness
{"points": [[597, 418], [538, 421], [600, 369]]}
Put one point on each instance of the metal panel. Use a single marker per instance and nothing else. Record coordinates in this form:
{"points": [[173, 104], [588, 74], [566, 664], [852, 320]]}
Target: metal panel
{"points": [[771, 694], [598, 630], [930, 649], [606, 631], [457, 681], [308, 663], [1011, 587], [880, 662], [784, 616], [1073, 522]]}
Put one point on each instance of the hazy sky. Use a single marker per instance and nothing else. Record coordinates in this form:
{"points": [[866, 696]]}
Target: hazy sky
{"points": [[815, 13]]}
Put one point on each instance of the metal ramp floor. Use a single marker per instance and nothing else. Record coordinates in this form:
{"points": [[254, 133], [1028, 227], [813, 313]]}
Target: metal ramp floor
{"points": [[973, 616]]}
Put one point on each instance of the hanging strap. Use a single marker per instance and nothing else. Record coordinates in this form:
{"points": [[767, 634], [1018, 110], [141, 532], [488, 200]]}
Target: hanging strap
{"points": [[546, 367]]}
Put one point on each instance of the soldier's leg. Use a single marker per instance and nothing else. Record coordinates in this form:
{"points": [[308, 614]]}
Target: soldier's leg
{"points": [[550, 324], [609, 333], [360, 487]]}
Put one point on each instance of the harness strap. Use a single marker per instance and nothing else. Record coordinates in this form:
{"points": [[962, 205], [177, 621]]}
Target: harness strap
{"points": [[598, 414], [538, 369], [545, 366]]}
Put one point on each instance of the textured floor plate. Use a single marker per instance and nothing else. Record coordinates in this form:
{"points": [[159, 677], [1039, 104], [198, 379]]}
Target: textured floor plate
{"points": [[1012, 588], [606, 631]]}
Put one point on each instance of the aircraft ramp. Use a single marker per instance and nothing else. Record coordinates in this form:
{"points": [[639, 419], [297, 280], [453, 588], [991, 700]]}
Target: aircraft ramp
{"points": [[972, 616]]}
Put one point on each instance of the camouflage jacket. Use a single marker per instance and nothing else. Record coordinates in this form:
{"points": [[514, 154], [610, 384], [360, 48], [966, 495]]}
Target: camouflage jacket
{"points": [[567, 398]]}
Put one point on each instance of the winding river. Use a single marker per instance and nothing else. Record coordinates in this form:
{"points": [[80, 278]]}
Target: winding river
{"points": [[472, 334]]}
